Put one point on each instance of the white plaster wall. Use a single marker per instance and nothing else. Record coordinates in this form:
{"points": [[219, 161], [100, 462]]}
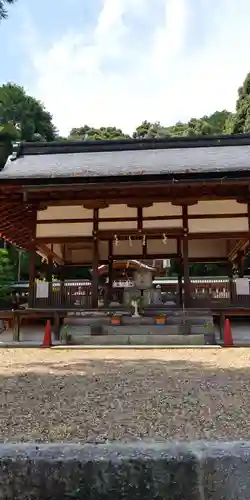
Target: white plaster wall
{"points": [[64, 229], [65, 212], [218, 225], [162, 209], [161, 224], [82, 255], [123, 248], [207, 248], [119, 225], [217, 207], [103, 250], [157, 247], [117, 211]]}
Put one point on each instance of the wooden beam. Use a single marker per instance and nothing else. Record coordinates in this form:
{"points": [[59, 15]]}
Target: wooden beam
{"points": [[135, 219], [91, 204], [139, 219], [154, 232], [186, 202], [48, 252]]}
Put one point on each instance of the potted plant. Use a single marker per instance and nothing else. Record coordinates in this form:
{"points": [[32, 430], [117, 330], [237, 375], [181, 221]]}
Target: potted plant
{"points": [[116, 319], [185, 327], [135, 303], [209, 333], [66, 337], [160, 319]]}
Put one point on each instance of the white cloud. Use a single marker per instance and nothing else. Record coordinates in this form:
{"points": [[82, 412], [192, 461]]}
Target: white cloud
{"points": [[107, 79]]}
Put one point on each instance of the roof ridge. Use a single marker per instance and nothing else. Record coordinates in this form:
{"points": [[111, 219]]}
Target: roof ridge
{"points": [[64, 147]]}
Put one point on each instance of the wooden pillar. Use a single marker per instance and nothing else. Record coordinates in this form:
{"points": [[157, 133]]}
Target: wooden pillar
{"points": [[16, 327], [95, 261], [32, 261], [180, 272], [231, 282], [57, 325], [49, 278], [186, 298], [32, 274], [110, 271], [62, 287], [62, 277], [240, 264]]}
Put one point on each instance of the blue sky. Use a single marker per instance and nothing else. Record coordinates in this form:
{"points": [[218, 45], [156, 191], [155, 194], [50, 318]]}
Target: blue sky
{"points": [[118, 62]]}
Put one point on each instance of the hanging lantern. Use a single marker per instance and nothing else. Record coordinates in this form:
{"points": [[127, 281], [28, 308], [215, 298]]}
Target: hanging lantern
{"points": [[164, 239], [116, 240]]}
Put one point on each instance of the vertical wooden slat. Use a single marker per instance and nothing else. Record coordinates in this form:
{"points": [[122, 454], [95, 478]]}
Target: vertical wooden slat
{"points": [[186, 297], [179, 272], [95, 261], [49, 279], [32, 260], [110, 270]]}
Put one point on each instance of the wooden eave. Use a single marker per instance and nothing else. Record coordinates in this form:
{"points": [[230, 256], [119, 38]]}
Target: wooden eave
{"points": [[133, 192]]}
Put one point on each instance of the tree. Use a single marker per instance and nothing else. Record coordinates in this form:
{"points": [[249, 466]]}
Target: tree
{"points": [[217, 123], [26, 114], [6, 273], [97, 134], [241, 120], [149, 130], [3, 10], [5, 146]]}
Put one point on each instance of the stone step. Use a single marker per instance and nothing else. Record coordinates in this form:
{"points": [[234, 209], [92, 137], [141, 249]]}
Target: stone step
{"points": [[140, 340], [77, 331], [133, 321]]}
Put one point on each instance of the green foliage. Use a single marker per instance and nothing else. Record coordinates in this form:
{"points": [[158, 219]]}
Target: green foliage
{"points": [[95, 134], [5, 146], [241, 120], [21, 258], [3, 10], [217, 123], [149, 130], [6, 273], [25, 115]]}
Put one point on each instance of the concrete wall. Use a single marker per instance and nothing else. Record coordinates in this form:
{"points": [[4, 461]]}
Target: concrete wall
{"points": [[148, 471]]}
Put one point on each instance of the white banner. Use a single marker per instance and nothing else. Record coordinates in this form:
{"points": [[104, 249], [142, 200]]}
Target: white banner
{"points": [[42, 289], [242, 286]]}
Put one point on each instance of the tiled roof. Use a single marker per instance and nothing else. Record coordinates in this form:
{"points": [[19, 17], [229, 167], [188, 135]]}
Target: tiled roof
{"points": [[128, 158]]}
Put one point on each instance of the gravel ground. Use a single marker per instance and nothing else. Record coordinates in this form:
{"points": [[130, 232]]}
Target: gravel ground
{"points": [[94, 396]]}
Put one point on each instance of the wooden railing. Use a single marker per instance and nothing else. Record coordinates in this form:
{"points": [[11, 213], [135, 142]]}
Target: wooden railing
{"points": [[78, 295], [223, 294], [64, 296]]}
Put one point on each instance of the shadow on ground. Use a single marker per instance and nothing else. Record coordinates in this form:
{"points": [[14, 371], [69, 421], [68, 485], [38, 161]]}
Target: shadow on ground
{"points": [[98, 400]]}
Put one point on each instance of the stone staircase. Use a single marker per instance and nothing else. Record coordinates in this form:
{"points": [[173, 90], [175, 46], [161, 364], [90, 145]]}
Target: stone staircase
{"points": [[192, 327]]}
